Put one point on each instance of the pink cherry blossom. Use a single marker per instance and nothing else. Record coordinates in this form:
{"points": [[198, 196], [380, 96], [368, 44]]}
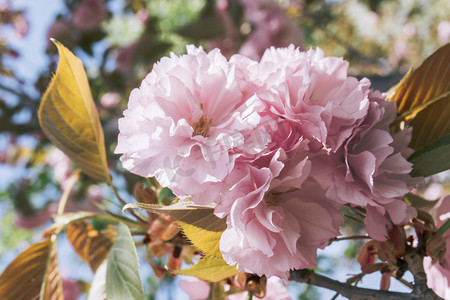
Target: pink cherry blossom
{"points": [[281, 232], [89, 14], [370, 170], [278, 145], [186, 122], [438, 276], [71, 288], [37, 219], [62, 32], [110, 100], [61, 166], [272, 28], [125, 57], [313, 91]]}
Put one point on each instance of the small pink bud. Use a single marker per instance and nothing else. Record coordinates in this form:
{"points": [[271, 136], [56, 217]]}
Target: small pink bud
{"points": [[367, 254], [175, 259], [170, 232], [145, 195], [157, 228], [397, 236]]}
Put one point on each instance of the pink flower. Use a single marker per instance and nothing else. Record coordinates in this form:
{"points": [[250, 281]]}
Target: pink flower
{"points": [[438, 276], [314, 92], [272, 28], [36, 220], [196, 289], [370, 170], [61, 31], [71, 288], [89, 14], [61, 166], [443, 32], [277, 232], [110, 99], [199, 290], [185, 124], [125, 58]]}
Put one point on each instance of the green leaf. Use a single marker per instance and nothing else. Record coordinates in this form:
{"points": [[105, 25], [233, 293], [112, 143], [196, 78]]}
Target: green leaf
{"points": [[205, 240], [422, 97], [187, 212], [419, 202], [68, 117], [210, 269], [122, 272], [23, 277], [432, 159]]}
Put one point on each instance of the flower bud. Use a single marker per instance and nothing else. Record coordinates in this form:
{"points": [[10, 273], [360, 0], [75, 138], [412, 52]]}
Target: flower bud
{"points": [[145, 195], [397, 236], [157, 227], [385, 252], [175, 258], [170, 232], [256, 285], [367, 255]]}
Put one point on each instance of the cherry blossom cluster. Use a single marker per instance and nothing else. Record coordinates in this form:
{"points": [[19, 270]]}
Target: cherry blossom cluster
{"points": [[279, 145]]}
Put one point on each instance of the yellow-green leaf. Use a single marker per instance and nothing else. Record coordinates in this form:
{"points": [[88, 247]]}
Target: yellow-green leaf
{"points": [[431, 123], [187, 212], [68, 117], [427, 83], [92, 246], [23, 277], [210, 269], [423, 98], [205, 240], [53, 282]]}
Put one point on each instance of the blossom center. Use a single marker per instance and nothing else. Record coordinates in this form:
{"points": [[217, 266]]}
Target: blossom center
{"points": [[271, 197], [202, 126]]}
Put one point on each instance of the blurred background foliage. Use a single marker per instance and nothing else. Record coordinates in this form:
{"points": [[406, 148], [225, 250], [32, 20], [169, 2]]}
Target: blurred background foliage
{"points": [[120, 40]]}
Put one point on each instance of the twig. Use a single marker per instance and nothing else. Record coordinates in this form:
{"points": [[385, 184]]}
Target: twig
{"points": [[353, 237], [353, 292], [123, 202]]}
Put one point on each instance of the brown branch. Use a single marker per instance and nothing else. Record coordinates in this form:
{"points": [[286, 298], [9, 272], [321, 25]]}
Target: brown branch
{"points": [[415, 266], [353, 292]]}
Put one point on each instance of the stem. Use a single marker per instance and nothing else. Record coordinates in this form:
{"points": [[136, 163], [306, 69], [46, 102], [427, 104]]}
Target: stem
{"points": [[353, 237], [65, 196], [353, 292], [406, 283], [123, 202]]}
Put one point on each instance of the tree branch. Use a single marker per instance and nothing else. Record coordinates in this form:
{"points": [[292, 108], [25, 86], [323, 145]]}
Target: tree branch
{"points": [[353, 292]]}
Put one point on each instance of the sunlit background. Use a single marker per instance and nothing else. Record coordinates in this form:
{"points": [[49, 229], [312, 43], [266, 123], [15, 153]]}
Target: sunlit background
{"points": [[118, 42]]}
